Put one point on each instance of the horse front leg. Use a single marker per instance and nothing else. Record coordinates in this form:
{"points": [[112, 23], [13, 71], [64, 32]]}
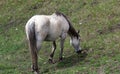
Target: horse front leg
{"points": [[61, 49], [62, 45], [52, 52]]}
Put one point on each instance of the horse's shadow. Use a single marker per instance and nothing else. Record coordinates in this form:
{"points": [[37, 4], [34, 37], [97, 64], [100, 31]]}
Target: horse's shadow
{"points": [[69, 61], [72, 60]]}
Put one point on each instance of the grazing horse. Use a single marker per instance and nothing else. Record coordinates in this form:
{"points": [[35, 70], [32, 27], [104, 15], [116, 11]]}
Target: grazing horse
{"points": [[41, 28]]}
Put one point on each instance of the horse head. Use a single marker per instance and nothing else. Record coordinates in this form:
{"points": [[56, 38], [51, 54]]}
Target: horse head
{"points": [[75, 42]]}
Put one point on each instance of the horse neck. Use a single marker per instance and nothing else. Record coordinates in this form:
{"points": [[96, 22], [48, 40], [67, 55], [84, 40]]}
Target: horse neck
{"points": [[72, 32]]}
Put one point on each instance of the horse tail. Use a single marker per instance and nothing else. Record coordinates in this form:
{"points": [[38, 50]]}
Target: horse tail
{"points": [[32, 37], [30, 30]]}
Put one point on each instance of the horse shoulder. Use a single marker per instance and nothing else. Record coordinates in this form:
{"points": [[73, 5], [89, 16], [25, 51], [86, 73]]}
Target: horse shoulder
{"points": [[65, 24]]}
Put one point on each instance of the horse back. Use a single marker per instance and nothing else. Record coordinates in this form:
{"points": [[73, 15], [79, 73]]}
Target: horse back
{"points": [[49, 27]]}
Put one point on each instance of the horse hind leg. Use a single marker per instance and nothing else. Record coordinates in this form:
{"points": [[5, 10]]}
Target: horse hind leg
{"points": [[52, 52], [34, 59], [34, 66], [32, 46], [34, 54]]}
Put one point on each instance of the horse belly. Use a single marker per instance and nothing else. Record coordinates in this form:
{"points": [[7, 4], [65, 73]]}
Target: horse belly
{"points": [[52, 36]]}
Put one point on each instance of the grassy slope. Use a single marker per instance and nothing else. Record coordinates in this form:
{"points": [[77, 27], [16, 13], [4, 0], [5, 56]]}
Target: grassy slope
{"points": [[100, 33]]}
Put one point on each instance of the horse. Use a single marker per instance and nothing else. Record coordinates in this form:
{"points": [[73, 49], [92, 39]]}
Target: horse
{"points": [[41, 28]]}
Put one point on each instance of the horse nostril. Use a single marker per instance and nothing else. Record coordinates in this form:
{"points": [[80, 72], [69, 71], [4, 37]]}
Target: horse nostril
{"points": [[78, 52]]}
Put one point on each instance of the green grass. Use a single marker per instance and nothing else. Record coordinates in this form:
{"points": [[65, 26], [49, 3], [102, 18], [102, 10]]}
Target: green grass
{"points": [[97, 20]]}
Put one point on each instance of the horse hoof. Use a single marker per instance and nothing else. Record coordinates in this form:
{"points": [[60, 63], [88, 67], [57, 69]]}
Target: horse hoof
{"points": [[36, 72], [33, 70], [60, 59], [51, 61]]}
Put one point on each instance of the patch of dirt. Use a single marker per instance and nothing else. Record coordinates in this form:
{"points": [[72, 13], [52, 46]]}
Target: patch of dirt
{"points": [[109, 29]]}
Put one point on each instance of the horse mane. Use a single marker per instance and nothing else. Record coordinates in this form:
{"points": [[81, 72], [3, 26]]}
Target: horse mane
{"points": [[72, 32]]}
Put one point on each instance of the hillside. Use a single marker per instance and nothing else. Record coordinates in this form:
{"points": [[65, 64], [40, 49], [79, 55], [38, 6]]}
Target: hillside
{"points": [[97, 20]]}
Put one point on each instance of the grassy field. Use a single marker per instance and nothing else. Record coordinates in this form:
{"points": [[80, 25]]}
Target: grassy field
{"points": [[97, 20]]}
